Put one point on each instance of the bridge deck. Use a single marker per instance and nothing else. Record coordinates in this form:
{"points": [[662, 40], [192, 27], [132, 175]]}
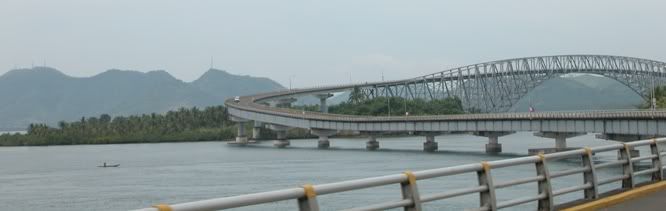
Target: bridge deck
{"points": [[646, 198], [654, 201]]}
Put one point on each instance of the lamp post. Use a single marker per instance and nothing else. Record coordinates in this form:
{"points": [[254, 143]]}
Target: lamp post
{"points": [[388, 98], [290, 80], [654, 97], [405, 100]]}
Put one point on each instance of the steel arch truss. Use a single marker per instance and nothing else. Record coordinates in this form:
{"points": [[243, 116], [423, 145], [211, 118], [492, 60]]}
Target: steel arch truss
{"points": [[497, 86]]}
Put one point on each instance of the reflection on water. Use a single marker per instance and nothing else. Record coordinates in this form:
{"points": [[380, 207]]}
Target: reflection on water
{"points": [[66, 177]]}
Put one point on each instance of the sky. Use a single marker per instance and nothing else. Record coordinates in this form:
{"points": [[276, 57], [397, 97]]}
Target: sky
{"points": [[313, 43]]}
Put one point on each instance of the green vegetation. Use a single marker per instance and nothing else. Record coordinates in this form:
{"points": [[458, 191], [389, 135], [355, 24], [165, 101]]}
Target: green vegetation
{"points": [[398, 106], [174, 126], [183, 125], [660, 95], [359, 104]]}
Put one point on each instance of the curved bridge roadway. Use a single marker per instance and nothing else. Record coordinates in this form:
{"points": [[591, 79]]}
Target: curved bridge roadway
{"points": [[266, 110]]}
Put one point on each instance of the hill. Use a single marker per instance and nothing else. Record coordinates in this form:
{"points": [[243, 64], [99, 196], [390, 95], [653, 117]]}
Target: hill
{"points": [[46, 95], [579, 92]]}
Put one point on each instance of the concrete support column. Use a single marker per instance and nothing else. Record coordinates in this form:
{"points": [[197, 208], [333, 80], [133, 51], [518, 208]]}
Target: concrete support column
{"points": [[323, 134], [281, 141], [241, 129], [281, 132], [256, 130], [372, 143], [323, 142], [430, 145], [240, 135], [241, 138], [493, 146], [322, 102], [560, 141]]}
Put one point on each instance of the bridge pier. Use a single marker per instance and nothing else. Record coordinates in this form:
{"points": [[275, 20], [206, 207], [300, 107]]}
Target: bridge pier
{"points": [[256, 130], [560, 141], [372, 143], [281, 132], [430, 145], [322, 101], [493, 146], [240, 135], [241, 138], [323, 134], [281, 141]]}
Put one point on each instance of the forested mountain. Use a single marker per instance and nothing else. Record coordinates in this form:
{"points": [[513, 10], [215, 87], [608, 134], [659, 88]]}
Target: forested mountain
{"points": [[222, 85], [579, 92], [46, 95]]}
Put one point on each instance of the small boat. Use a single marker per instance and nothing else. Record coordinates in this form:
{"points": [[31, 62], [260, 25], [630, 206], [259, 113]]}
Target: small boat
{"points": [[105, 166]]}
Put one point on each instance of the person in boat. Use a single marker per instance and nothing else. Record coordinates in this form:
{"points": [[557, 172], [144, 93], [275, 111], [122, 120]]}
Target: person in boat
{"points": [[104, 164]]}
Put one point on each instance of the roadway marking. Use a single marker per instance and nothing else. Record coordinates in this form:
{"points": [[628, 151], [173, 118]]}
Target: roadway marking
{"points": [[163, 207]]}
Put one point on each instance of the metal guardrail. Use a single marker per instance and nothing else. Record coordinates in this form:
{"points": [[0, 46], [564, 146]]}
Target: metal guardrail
{"points": [[306, 196]]}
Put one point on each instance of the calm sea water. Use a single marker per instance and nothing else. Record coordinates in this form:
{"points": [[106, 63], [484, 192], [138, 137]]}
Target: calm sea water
{"points": [[66, 177]]}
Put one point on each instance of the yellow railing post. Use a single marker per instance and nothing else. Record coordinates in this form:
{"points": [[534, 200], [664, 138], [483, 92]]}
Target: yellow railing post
{"points": [[627, 168], [411, 191], [487, 197], [544, 186], [589, 175], [309, 201]]}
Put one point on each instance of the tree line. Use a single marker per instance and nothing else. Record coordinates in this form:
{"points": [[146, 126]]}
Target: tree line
{"points": [[398, 106], [184, 124]]}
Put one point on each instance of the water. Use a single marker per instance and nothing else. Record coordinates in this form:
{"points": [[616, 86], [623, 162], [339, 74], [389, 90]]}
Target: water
{"points": [[13, 132], [66, 177]]}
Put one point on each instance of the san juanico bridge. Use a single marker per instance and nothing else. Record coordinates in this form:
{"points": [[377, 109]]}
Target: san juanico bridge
{"points": [[491, 88], [487, 91]]}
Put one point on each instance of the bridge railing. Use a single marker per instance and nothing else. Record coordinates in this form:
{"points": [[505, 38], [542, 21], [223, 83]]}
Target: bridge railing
{"points": [[306, 195]]}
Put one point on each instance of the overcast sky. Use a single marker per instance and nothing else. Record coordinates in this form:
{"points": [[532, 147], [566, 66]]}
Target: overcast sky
{"points": [[318, 42]]}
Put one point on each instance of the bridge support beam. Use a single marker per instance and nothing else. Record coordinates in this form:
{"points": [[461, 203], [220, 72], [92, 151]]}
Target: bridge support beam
{"points": [[256, 130], [372, 143], [493, 146], [323, 134], [240, 135], [430, 145], [625, 138], [560, 141], [281, 132], [241, 138], [322, 101]]}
